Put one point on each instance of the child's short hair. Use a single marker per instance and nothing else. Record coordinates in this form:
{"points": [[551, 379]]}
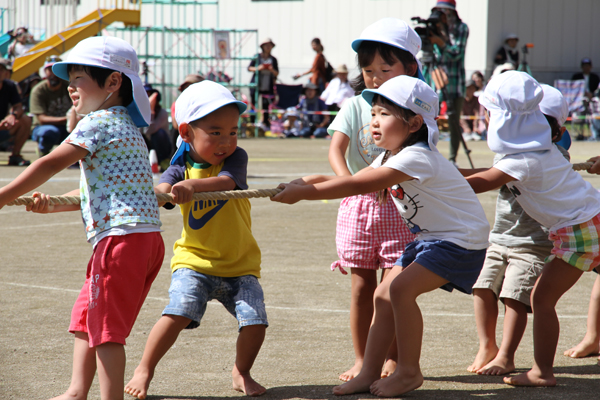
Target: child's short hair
{"points": [[99, 75]]}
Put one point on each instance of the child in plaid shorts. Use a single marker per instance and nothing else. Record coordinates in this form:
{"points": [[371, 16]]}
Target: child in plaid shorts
{"points": [[548, 190], [370, 235]]}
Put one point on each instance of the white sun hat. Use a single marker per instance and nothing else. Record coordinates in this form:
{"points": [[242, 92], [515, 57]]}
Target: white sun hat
{"points": [[394, 32], [412, 94], [516, 122], [197, 101], [554, 104], [116, 54]]}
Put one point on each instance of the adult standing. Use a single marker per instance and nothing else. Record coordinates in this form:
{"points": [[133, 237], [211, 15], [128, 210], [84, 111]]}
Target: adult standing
{"points": [[449, 51], [265, 66], [318, 67], [338, 90], [49, 103], [591, 79], [15, 125]]}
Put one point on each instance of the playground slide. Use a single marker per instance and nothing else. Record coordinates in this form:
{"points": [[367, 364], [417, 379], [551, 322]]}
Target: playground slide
{"points": [[87, 26], [4, 42]]}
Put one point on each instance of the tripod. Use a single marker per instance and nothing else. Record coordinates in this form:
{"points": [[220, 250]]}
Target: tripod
{"points": [[524, 65], [431, 65]]}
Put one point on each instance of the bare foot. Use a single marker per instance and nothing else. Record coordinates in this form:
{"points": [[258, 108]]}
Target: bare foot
{"points": [[583, 349], [360, 384], [245, 384], [352, 372], [498, 366], [138, 385], [483, 357], [531, 378], [70, 396], [396, 384], [388, 368]]}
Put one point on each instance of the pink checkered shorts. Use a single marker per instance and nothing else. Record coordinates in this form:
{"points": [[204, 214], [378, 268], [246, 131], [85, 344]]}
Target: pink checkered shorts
{"points": [[369, 235]]}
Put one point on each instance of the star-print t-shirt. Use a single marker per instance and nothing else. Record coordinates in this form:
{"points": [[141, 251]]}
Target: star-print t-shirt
{"points": [[116, 186]]}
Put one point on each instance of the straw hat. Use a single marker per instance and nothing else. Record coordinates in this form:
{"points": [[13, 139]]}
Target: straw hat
{"points": [[341, 69], [267, 41]]}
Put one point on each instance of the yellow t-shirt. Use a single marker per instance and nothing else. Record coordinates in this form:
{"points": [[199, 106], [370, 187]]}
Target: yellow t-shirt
{"points": [[217, 236]]}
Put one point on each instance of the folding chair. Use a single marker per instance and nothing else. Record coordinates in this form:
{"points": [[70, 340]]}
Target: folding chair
{"points": [[574, 94]]}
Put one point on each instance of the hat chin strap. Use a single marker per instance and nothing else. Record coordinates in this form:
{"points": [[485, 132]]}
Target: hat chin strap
{"points": [[105, 100]]}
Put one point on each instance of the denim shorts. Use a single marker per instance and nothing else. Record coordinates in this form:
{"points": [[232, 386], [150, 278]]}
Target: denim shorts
{"points": [[190, 292], [459, 266]]}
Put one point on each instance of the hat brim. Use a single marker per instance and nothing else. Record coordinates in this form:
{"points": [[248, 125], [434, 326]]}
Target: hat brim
{"points": [[139, 109]]}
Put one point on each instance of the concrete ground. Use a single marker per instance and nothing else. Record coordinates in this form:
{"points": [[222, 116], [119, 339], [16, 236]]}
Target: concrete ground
{"points": [[308, 342]]}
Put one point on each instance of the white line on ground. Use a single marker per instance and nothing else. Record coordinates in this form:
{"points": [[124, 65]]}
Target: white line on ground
{"points": [[324, 310], [40, 226]]}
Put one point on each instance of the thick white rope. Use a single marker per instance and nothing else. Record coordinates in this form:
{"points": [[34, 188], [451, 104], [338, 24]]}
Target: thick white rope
{"points": [[225, 195]]}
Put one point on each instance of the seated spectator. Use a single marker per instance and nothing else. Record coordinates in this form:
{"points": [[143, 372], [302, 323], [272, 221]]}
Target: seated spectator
{"points": [[470, 109], [508, 53], [26, 86], [23, 42], [15, 125], [338, 90], [479, 80], [591, 79], [314, 125], [49, 103], [292, 126], [157, 133]]}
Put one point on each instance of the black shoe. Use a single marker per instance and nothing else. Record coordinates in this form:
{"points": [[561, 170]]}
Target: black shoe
{"points": [[18, 161]]}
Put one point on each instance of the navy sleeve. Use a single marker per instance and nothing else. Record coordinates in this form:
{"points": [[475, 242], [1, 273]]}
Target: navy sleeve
{"points": [[236, 167], [173, 174]]}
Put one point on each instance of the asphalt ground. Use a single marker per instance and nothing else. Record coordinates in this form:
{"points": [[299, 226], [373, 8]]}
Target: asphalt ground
{"points": [[308, 343]]}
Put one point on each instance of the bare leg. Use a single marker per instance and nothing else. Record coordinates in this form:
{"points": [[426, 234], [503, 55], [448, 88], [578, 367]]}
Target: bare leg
{"points": [[515, 322], [557, 277], [248, 345], [21, 131], [110, 358], [84, 369], [363, 283], [161, 338], [380, 337], [391, 360], [486, 316], [404, 290], [590, 343]]}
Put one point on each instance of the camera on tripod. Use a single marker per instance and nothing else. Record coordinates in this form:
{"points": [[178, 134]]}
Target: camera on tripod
{"points": [[426, 28]]}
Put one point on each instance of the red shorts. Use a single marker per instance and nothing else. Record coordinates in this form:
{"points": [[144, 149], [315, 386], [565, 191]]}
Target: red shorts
{"points": [[118, 278]]}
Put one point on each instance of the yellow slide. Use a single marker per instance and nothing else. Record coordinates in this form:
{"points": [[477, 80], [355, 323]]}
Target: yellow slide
{"points": [[87, 26]]}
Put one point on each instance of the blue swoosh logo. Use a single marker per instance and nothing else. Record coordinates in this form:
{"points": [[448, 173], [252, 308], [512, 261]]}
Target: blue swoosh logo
{"points": [[196, 224]]}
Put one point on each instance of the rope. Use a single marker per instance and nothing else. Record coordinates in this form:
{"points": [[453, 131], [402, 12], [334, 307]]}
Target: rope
{"points": [[166, 197], [225, 195]]}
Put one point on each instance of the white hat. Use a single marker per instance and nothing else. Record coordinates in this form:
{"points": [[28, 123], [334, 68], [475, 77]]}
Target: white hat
{"points": [[516, 122], [415, 95], [202, 98], [394, 32], [554, 104], [116, 54], [502, 68], [291, 112], [511, 36], [197, 101]]}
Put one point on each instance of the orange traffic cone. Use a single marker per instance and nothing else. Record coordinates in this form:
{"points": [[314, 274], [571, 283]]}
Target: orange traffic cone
{"points": [[154, 162]]}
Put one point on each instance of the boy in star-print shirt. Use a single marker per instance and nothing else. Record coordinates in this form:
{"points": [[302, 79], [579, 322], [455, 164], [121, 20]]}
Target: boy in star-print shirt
{"points": [[118, 205]]}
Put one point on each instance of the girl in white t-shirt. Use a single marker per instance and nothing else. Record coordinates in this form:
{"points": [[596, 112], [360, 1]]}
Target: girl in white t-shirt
{"points": [[369, 235], [434, 200], [548, 189]]}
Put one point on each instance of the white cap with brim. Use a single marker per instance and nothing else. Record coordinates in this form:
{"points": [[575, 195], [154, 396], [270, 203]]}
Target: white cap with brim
{"points": [[197, 101], [116, 54], [415, 95], [554, 104], [394, 32], [516, 124]]}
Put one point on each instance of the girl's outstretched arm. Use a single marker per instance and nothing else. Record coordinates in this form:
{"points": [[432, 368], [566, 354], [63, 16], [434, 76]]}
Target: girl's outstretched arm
{"points": [[488, 179], [367, 181], [337, 154]]}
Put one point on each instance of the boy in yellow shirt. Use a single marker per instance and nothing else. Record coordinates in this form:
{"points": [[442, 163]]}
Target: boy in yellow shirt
{"points": [[205, 264]]}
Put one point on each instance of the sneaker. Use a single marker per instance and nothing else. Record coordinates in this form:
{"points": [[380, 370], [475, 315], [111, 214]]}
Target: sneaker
{"points": [[18, 161]]}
